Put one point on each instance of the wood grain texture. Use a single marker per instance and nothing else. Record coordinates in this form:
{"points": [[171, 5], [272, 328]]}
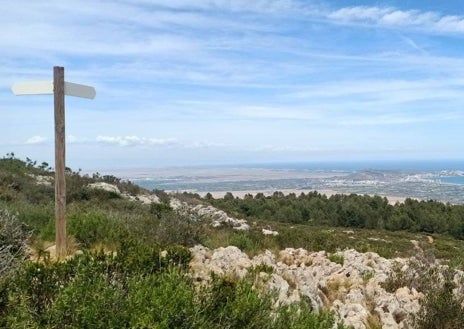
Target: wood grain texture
{"points": [[60, 160]]}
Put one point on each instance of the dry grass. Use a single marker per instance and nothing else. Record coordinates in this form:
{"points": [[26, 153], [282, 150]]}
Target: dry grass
{"points": [[337, 289]]}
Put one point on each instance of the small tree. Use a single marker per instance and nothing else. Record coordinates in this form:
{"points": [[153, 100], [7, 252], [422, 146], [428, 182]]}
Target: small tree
{"points": [[228, 196]]}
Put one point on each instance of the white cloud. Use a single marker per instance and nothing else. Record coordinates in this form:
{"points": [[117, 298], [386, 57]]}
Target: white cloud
{"points": [[398, 119], [285, 148], [359, 13], [392, 17], [35, 140], [258, 6], [135, 140], [201, 145], [269, 112], [388, 91], [71, 139], [223, 75]]}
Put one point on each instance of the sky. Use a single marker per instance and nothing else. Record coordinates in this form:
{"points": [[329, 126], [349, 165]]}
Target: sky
{"points": [[190, 82]]}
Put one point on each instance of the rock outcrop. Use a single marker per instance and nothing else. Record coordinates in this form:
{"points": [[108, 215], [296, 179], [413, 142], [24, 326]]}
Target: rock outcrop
{"points": [[218, 218], [42, 180], [352, 290], [106, 187], [143, 198]]}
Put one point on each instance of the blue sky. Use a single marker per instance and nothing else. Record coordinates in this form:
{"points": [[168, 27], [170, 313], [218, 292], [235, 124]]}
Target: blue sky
{"points": [[223, 82]]}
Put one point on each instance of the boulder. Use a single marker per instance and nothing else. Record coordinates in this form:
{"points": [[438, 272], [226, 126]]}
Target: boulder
{"points": [[106, 187]]}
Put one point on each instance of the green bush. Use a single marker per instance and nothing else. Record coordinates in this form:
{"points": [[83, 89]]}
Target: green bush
{"points": [[178, 256], [160, 209], [358, 211], [242, 241], [338, 259], [165, 301], [89, 301], [138, 288], [179, 229], [13, 243], [236, 304], [417, 275], [441, 308], [95, 227]]}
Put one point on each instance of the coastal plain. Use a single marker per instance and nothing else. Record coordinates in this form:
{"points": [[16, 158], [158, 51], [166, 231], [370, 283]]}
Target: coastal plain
{"points": [[396, 185]]}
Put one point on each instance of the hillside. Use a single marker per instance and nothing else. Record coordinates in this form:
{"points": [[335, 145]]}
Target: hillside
{"points": [[139, 258]]}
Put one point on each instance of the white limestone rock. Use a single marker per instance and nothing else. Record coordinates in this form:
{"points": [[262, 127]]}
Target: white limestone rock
{"points": [[269, 232], [352, 290], [220, 218], [106, 187]]}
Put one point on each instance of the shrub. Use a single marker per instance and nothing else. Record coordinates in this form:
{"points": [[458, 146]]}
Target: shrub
{"points": [[13, 238], [180, 229], [138, 288], [263, 267], [338, 259], [416, 275], [163, 196], [95, 227], [40, 218], [441, 307], [163, 301], [89, 301], [178, 256], [242, 241], [160, 209]]}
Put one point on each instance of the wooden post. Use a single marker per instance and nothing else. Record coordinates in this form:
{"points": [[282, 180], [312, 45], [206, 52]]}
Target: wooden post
{"points": [[58, 88], [60, 160]]}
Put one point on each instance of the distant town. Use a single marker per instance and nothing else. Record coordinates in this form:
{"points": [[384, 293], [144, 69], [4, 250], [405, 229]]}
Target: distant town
{"points": [[445, 186]]}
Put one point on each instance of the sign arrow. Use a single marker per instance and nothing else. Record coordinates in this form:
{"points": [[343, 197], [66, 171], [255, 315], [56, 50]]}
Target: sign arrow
{"points": [[59, 88], [32, 88], [74, 89], [46, 87]]}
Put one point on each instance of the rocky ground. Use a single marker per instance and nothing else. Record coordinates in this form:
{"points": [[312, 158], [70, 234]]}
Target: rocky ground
{"points": [[352, 290], [349, 283]]}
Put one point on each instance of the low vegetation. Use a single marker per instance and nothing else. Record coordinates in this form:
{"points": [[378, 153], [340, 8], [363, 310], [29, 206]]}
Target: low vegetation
{"points": [[120, 278], [356, 211]]}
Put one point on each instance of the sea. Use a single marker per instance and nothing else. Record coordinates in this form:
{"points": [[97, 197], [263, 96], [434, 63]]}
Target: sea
{"points": [[418, 176], [459, 180], [411, 165]]}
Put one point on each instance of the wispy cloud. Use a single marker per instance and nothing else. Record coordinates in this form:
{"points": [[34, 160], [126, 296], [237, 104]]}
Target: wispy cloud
{"points": [[35, 140], [273, 112], [71, 139], [135, 140], [386, 91], [285, 148], [396, 18], [205, 145], [216, 76], [395, 119], [268, 6]]}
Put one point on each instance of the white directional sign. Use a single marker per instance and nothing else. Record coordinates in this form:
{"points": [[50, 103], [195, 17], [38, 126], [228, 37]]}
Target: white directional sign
{"points": [[74, 89], [46, 87], [33, 88], [59, 88]]}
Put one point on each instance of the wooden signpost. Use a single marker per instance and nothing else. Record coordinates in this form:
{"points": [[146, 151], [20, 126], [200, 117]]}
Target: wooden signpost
{"points": [[58, 87]]}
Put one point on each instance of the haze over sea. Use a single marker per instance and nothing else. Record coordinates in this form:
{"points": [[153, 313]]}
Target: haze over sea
{"points": [[432, 179], [412, 165]]}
